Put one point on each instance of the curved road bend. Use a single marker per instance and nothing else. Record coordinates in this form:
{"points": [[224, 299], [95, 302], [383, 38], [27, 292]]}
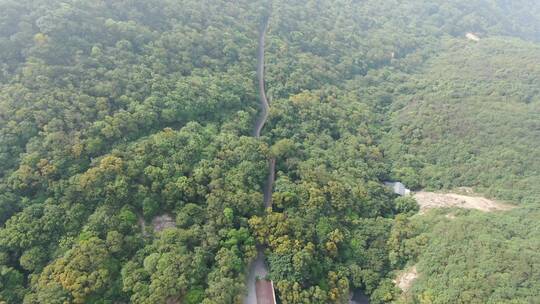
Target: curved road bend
{"points": [[258, 268], [265, 106]]}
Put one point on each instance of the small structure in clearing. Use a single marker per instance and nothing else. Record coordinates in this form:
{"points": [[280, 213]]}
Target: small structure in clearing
{"points": [[472, 37], [265, 292], [398, 188], [162, 222]]}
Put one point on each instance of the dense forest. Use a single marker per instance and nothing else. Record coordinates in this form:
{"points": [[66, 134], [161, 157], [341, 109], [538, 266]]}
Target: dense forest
{"points": [[465, 256], [115, 114]]}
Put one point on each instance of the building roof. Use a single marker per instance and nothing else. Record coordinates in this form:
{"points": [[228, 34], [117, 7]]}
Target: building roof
{"points": [[398, 188], [265, 292]]}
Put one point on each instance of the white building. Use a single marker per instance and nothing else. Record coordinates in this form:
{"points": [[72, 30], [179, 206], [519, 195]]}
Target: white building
{"points": [[472, 37], [398, 188]]}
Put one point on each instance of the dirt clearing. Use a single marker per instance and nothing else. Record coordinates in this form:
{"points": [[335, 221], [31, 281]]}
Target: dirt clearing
{"points": [[429, 200], [405, 279]]}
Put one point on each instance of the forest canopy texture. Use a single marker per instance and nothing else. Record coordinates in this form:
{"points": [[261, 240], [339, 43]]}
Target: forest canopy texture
{"points": [[116, 115]]}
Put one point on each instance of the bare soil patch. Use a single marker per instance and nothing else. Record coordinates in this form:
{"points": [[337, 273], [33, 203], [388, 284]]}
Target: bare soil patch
{"points": [[405, 279], [429, 200]]}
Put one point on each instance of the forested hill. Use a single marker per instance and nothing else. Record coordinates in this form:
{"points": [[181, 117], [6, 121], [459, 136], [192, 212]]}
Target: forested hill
{"points": [[471, 118], [116, 114]]}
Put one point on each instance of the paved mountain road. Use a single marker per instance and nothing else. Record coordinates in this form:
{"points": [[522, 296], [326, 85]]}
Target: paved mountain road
{"points": [[258, 268]]}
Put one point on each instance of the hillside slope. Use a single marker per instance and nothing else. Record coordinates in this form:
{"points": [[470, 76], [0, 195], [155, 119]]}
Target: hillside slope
{"points": [[116, 113], [471, 118]]}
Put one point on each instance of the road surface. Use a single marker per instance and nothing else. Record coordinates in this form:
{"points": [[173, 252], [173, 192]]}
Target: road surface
{"points": [[258, 268], [265, 106], [269, 185]]}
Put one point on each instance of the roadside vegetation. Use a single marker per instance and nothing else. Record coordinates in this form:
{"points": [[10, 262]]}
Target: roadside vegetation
{"points": [[113, 113]]}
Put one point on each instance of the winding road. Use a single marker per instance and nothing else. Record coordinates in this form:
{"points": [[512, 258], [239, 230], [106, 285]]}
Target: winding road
{"points": [[263, 116], [258, 268], [265, 106]]}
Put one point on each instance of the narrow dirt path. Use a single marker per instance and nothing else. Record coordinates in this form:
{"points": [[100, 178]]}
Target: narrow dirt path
{"points": [[258, 268]]}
